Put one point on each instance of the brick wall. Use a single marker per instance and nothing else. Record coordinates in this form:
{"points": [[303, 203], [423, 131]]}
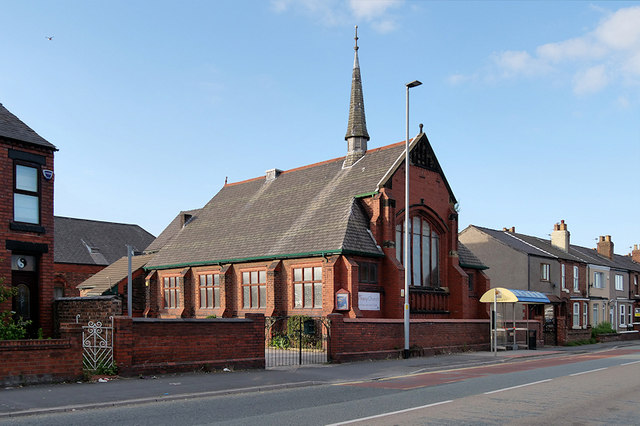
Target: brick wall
{"points": [[93, 308], [69, 275], [42, 361], [146, 345], [619, 337], [356, 338]]}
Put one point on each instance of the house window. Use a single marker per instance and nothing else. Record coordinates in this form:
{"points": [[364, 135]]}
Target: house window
{"points": [[424, 252], [611, 316], [596, 309], [564, 276], [545, 271], [368, 273], [576, 282], [598, 280], [307, 287], [209, 291], [635, 284], [58, 292], [619, 282], [585, 312], [254, 289], [576, 315], [26, 197], [471, 284], [629, 314], [622, 315], [171, 292]]}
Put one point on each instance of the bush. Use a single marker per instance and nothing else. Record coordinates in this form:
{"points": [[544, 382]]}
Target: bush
{"points": [[11, 328], [602, 328]]}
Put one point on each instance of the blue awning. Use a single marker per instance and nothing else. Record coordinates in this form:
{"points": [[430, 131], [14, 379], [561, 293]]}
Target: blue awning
{"points": [[507, 295]]}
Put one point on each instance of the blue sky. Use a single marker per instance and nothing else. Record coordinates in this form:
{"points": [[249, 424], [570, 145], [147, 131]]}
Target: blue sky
{"points": [[533, 108]]}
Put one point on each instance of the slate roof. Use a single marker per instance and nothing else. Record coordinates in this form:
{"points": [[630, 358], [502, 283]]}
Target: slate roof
{"points": [[306, 211], [469, 260], [542, 247], [92, 242], [110, 276], [171, 230], [12, 127]]}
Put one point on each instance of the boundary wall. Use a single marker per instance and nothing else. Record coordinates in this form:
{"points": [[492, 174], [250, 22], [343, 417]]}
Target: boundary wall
{"points": [[152, 346]]}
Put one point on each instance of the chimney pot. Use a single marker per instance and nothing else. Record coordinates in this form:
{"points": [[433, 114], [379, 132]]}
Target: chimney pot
{"points": [[512, 230]]}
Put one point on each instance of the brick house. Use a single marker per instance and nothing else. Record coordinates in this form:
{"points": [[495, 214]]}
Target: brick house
{"points": [[320, 239], [84, 247], [26, 211]]}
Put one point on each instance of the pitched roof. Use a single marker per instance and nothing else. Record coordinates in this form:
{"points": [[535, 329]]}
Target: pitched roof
{"points": [[92, 242], [541, 247], [12, 127], [469, 260], [110, 276], [172, 229], [306, 211]]}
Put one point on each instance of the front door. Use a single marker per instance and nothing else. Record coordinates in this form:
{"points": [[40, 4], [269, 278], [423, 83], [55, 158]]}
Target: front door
{"points": [[24, 277]]}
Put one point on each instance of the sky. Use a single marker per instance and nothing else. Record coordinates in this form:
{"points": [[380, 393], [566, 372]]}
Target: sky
{"points": [[532, 108]]}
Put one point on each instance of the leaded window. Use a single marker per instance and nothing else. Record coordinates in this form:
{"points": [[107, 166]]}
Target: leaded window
{"points": [[424, 252]]}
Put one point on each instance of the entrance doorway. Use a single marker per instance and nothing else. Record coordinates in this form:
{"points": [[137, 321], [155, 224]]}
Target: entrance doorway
{"points": [[24, 277]]}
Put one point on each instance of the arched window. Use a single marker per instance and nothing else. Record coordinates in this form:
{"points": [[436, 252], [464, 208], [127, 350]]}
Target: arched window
{"points": [[424, 254]]}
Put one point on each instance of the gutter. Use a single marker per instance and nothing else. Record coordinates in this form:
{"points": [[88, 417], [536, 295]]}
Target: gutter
{"points": [[259, 258]]}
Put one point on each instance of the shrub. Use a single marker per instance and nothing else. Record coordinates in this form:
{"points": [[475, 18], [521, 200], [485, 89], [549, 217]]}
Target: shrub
{"points": [[602, 328], [11, 328]]}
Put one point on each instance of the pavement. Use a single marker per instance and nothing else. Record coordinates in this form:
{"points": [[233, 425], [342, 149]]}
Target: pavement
{"points": [[40, 399]]}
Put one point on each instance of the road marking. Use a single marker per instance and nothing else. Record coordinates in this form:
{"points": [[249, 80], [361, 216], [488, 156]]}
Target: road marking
{"points": [[391, 413], [629, 363], [516, 387], [590, 371]]}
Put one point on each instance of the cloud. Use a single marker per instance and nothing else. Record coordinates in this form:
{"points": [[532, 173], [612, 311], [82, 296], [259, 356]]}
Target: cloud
{"points": [[594, 60], [377, 13], [591, 80]]}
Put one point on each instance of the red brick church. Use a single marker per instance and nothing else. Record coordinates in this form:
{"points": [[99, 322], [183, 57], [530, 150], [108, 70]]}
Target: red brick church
{"points": [[324, 238]]}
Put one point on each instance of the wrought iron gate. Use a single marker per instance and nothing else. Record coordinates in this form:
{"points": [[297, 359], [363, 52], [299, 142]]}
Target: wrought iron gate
{"points": [[296, 340], [97, 345]]}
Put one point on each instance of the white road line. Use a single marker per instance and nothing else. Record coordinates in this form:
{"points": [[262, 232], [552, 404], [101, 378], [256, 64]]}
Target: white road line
{"points": [[590, 371], [629, 363], [391, 413], [516, 387]]}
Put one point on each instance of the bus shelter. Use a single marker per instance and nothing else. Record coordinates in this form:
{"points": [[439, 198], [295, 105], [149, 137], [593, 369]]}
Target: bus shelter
{"points": [[503, 298]]}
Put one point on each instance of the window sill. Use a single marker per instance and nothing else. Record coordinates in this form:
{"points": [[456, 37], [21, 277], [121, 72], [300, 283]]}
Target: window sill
{"points": [[24, 227]]}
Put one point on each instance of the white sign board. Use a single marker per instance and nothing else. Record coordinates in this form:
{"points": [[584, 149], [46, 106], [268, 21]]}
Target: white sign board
{"points": [[368, 301]]}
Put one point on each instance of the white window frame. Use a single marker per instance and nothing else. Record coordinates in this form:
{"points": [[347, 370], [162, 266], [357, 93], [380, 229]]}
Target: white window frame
{"points": [[596, 312], [576, 280], [630, 314], [619, 282], [545, 272], [598, 283], [585, 313], [563, 278], [576, 315], [623, 315]]}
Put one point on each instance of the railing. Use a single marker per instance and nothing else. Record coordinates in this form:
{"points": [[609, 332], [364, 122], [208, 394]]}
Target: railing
{"points": [[429, 300]]}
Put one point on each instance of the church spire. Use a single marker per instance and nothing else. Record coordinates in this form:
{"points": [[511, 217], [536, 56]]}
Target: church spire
{"points": [[357, 135]]}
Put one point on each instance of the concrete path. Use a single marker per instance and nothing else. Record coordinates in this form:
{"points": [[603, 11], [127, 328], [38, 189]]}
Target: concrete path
{"points": [[17, 401]]}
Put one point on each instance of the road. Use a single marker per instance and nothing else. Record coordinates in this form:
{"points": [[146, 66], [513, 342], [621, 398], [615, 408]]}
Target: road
{"points": [[594, 388]]}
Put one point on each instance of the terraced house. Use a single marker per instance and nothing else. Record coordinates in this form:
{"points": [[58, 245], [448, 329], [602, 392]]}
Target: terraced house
{"points": [[26, 213], [585, 286], [323, 238]]}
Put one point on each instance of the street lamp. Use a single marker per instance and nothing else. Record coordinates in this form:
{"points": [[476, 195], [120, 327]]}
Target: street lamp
{"points": [[407, 268]]}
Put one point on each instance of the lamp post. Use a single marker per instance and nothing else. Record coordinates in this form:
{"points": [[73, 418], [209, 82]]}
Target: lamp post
{"points": [[407, 267]]}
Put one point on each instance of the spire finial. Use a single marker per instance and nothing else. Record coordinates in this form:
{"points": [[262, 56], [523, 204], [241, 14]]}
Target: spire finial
{"points": [[356, 39]]}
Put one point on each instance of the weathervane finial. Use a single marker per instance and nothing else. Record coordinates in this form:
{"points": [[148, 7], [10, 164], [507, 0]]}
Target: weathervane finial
{"points": [[356, 39]]}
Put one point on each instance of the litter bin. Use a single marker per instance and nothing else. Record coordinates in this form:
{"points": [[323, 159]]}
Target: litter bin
{"points": [[532, 338]]}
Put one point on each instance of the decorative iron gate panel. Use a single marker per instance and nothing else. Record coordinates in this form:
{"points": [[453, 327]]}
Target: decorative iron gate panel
{"points": [[296, 340], [97, 345]]}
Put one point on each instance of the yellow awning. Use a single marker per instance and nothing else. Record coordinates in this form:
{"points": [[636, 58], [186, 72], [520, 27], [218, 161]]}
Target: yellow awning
{"points": [[505, 295]]}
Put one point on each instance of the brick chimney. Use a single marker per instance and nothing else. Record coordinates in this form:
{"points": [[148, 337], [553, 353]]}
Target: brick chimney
{"points": [[605, 246], [560, 237], [635, 254]]}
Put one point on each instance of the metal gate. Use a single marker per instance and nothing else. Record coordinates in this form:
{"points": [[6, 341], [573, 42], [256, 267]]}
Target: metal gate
{"points": [[97, 346], [296, 340]]}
